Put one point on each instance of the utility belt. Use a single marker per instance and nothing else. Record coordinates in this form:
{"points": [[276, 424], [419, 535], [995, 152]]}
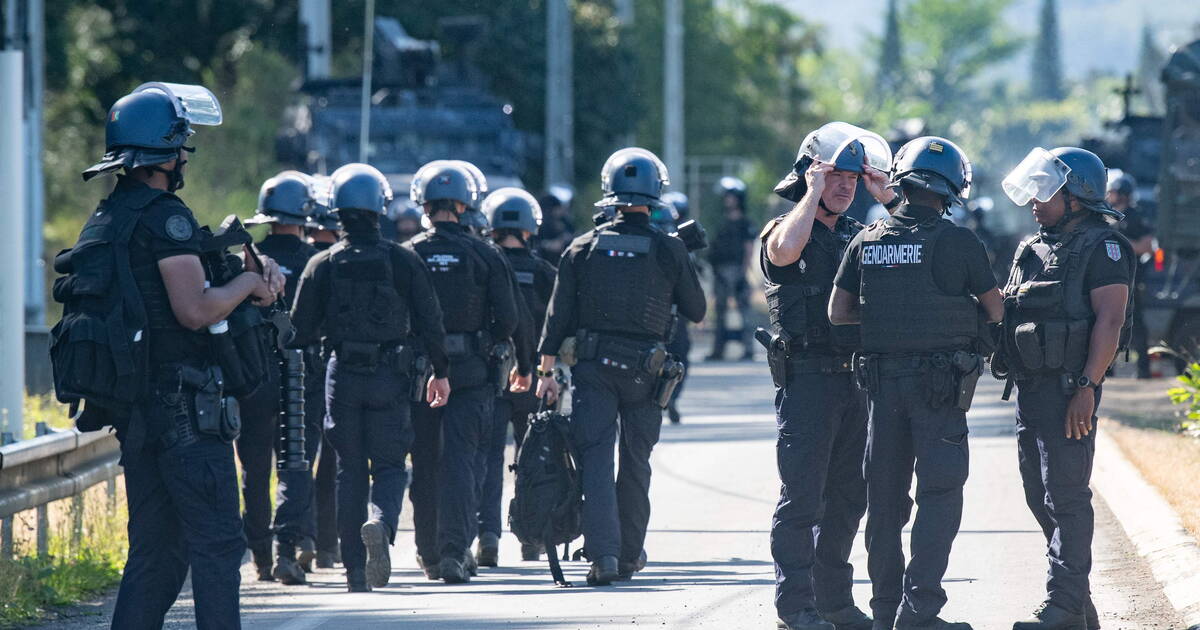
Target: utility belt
{"points": [[949, 377], [646, 358], [783, 363], [184, 388], [466, 344], [369, 356]]}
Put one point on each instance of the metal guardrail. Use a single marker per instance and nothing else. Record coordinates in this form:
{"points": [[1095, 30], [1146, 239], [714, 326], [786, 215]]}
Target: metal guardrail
{"points": [[55, 465]]}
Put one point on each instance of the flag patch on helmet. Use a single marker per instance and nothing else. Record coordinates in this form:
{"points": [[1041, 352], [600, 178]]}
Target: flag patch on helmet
{"points": [[1113, 250], [936, 147]]}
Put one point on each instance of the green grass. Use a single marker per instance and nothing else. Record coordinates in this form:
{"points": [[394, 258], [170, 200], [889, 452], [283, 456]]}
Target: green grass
{"points": [[44, 408]]}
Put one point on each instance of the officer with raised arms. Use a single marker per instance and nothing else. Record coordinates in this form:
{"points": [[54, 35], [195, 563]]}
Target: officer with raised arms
{"points": [[821, 411], [614, 293], [285, 203], [480, 312], [140, 263], [922, 290], [368, 296], [1067, 313]]}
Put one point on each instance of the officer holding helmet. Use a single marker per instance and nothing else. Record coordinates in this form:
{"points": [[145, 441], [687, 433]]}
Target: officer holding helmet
{"points": [[150, 271], [285, 203], [1067, 314], [922, 290], [822, 413], [480, 312], [614, 293], [514, 216], [365, 296]]}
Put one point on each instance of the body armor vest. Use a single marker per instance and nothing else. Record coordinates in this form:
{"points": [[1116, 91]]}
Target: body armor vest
{"points": [[292, 254], [459, 275], [623, 287], [1048, 314], [527, 268], [903, 310], [800, 309], [364, 305]]}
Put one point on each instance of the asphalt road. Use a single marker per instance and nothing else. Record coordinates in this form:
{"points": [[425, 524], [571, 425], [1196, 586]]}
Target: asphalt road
{"points": [[713, 493]]}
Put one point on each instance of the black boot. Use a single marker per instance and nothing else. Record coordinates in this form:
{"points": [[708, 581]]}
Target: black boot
{"points": [[804, 620], [487, 552], [626, 569], [263, 564], [326, 559], [452, 571], [530, 553], [937, 623], [432, 568], [1051, 616], [603, 571], [308, 552], [356, 581], [1090, 616], [849, 618], [379, 560], [287, 570]]}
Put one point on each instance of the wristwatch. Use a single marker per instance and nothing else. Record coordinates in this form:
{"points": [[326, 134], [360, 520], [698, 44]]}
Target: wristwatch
{"points": [[897, 200], [545, 373], [1084, 382]]}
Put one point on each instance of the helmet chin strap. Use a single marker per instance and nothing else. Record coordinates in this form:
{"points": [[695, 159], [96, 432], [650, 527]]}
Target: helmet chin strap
{"points": [[1068, 215], [824, 208], [174, 174]]}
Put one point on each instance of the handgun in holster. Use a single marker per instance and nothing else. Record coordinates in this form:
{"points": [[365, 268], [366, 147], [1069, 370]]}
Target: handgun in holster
{"points": [[969, 367], [501, 360], [422, 369], [668, 380], [778, 347]]}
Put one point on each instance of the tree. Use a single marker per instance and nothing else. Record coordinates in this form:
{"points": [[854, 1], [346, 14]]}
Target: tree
{"points": [[890, 69], [1046, 65]]}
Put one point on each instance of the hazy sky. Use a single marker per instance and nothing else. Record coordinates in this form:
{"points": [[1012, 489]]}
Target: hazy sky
{"points": [[1096, 34]]}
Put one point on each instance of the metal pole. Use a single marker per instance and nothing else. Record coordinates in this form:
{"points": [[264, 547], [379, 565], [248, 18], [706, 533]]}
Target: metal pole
{"points": [[364, 128], [560, 115], [673, 148], [35, 270], [12, 241], [314, 17]]}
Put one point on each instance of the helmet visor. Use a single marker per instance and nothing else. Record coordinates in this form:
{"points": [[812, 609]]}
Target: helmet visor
{"points": [[1038, 176], [828, 142], [194, 103], [322, 190]]}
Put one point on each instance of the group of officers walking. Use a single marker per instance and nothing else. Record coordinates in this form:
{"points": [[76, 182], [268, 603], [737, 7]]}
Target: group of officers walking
{"points": [[431, 349]]}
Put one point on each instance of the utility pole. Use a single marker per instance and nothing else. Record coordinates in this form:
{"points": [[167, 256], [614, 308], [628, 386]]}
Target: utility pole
{"points": [[364, 127], [560, 107], [673, 148], [314, 22], [12, 237], [35, 268]]}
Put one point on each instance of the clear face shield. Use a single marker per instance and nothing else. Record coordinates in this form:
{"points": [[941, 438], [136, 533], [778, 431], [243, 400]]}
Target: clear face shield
{"points": [[620, 157], [828, 142], [1039, 176], [194, 103], [481, 185]]}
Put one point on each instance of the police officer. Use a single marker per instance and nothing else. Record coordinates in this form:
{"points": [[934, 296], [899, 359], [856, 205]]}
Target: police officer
{"points": [[674, 212], [364, 296], [408, 220], [514, 216], [285, 204], [180, 478], [615, 289], [557, 227], [909, 280], [730, 256], [1138, 227], [1067, 314], [475, 288], [821, 411]]}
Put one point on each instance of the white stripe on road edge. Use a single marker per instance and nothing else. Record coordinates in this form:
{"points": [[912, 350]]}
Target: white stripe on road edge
{"points": [[1152, 525]]}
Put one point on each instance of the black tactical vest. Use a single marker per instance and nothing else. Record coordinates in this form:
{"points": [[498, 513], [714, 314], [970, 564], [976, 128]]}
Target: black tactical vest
{"points": [[903, 310], [364, 305], [459, 273], [527, 269], [292, 254], [623, 287], [800, 309], [1048, 315]]}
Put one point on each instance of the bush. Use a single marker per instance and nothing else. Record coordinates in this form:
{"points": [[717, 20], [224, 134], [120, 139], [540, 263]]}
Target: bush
{"points": [[1188, 395]]}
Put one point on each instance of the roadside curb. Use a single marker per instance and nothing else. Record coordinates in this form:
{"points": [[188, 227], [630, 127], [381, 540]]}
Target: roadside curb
{"points": [[1153, 526]]}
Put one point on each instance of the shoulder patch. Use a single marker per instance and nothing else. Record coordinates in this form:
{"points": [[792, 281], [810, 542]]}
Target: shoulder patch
{"points": [[1113, 249], [179, 228]]}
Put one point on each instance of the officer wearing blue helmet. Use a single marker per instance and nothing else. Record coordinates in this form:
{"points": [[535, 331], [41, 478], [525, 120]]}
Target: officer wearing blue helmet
{"points": [[615, 291], [1067, 314], [922, 290], [368, 297], [730, 256], [668, 219], [480, 315], [141, 263], [514, 216], [821, 411]]}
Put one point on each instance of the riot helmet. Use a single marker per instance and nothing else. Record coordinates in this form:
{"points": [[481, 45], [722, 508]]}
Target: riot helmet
{"points": [[1121, 183], [665, 217], [731, 186], [632, 177], [1078, 172], [475, 222], [563, 195], [845, 146], [287, 199], [513, 209], [444, 179], [934, 164], [679, 201], [359, 187], [151, 125], [481, 185]]}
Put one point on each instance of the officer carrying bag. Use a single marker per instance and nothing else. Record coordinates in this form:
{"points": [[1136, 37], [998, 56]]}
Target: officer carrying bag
{"points": [[98, 349], [546, 509]]}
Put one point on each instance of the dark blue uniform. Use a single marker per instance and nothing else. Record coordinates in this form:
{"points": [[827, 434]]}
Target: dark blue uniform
{"points": [[822, 419], [365, 295], [914, 274], [614, 292]]}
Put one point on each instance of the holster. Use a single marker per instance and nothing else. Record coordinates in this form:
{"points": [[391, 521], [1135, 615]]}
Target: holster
{"points": [[669, 378], [422, 369], [217, 415], [777, 354], [500, 362], [970, 367]]}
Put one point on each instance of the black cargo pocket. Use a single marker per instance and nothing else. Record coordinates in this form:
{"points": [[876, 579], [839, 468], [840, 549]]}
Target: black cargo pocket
{"points": [[1028, 340], [1069, 463], [1054, 344]]}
